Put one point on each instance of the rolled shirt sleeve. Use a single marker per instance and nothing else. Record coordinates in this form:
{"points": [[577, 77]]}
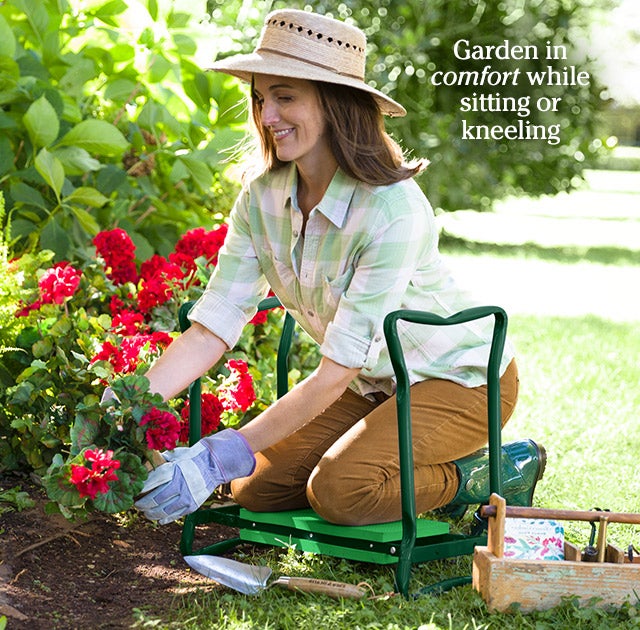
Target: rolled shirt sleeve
{"points": [[237, 284]]}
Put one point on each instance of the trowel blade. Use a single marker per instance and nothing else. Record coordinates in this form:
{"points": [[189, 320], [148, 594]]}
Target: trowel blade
{"points": [[245, 578]]}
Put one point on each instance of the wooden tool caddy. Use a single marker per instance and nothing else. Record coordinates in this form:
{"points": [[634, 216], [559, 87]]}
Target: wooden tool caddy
{"points": [[538, 584]]}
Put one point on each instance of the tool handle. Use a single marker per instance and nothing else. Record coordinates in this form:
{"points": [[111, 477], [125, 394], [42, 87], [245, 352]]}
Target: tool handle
{"points": [[324, 587], [513, 511]]}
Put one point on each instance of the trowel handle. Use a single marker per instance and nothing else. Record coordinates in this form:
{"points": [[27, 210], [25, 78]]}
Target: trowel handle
{"points": [[324, 587]]}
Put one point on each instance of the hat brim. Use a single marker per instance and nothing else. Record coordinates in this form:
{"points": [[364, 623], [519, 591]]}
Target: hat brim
{"points": [[245, 66]]}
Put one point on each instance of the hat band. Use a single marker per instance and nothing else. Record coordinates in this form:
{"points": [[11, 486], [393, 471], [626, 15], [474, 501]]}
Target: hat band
{"points": [[311, 63]]}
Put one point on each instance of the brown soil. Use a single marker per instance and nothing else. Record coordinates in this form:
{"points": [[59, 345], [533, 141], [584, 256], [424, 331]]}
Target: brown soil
{"points": [[56, 574]]}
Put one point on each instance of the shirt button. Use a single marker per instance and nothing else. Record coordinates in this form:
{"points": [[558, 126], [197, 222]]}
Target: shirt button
{"points": [[376, 339], [310, 313], [295, 233]]}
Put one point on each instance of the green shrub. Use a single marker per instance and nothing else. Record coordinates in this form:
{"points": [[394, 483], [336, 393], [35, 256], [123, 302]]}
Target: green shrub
{"points": [[108, 120]]}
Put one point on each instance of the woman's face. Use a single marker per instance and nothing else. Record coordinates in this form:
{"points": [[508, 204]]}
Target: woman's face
{"points": [[290, 111]]}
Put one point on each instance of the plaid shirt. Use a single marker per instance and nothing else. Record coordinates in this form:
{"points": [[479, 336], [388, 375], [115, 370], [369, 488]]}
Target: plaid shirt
{"points": [[367, 250]]}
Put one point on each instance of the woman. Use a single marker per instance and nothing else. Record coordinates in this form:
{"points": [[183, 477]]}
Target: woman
{"points": [[334, 224]]}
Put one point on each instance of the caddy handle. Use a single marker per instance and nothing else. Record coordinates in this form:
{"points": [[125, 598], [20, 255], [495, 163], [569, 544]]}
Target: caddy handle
{"points": [[514, 511]]}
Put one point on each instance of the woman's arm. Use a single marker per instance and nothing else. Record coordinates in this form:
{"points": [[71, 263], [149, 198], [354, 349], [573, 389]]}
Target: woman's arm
{"points": [[190, 356], [303, 403]]}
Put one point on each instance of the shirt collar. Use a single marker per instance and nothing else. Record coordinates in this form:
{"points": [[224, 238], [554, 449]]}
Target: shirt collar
{"points": [[336, 200]]}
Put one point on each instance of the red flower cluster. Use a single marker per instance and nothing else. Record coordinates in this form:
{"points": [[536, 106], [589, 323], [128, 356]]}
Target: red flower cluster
{"points": [[163, 430], [237, 391], [197, 243], [158, 278], [124, 357], [56, 284], [211, 410], [95, 480], [118, 252]]}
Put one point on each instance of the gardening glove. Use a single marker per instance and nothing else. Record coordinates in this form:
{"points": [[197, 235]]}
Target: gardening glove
{"points": [[187, 480]]}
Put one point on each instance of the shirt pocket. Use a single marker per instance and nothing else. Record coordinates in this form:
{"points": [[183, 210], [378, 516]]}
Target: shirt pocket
{"points": [[334, 289]]}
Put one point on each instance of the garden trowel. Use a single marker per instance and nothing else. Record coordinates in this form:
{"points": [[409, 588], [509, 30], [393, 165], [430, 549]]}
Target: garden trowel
{"points": [[252, 579]]}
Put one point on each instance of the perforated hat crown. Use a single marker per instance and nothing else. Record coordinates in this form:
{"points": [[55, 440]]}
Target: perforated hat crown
{"points": [[305, 45]]}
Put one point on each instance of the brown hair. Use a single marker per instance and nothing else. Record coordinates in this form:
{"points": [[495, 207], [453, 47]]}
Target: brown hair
{"points": [[357, 136]]}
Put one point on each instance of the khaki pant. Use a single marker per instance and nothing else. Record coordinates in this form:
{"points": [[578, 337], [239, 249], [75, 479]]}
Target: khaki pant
{"points": [[344, 463]]}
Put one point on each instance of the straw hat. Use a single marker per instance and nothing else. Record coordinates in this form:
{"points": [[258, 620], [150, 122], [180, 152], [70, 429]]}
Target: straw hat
{"points": [[305, 45]]}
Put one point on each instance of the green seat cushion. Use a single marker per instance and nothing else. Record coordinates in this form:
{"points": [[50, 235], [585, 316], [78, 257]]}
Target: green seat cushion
{"points": [[307, 531]]}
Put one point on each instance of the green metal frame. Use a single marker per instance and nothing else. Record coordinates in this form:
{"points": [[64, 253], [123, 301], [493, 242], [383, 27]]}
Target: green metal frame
{"points": [[409, 541]]}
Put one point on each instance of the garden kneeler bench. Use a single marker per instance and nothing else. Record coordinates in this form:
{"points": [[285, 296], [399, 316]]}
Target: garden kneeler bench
{"points": [[405, 542]]}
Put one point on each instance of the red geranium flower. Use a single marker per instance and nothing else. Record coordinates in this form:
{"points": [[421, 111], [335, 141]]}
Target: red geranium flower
{"points": [[127, 323], [95, 480], [199, 242], [211, 410], [125, 357], [118, 252], [56, 284], [158, 278], [163, 430], [237, 391]]}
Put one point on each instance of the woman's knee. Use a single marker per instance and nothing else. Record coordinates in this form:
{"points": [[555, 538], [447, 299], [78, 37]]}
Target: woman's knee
{"points": [[336, 499]]}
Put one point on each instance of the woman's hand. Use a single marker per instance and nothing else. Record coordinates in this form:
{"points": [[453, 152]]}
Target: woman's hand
{"points": [[191, 475]]}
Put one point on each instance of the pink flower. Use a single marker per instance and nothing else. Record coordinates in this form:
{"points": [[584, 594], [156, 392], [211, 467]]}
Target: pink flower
{"points": [[56, 284], [95, 480], [163, 430], [237, 391]]}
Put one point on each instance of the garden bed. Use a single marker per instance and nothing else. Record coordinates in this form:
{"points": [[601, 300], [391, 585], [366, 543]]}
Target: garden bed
{"points": [[56, 574]]}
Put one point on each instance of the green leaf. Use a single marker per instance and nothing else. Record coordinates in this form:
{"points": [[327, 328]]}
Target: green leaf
{"points": [[7, 39], [85, 430], [88, 196], [130, 386], [200, 173], [96, 136], [21, 394], [18, 499], [51, 169], [120, 89], [42, 348], [159, 68], [86, 220], [22, 193], [76, 161], [152, 6], [59, 487], [41, 122], [131, 476], [55, 238]]}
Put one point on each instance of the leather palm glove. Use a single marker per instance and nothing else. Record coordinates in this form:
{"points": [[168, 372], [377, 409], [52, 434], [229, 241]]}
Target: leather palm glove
{"points": [[191, 475]]}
